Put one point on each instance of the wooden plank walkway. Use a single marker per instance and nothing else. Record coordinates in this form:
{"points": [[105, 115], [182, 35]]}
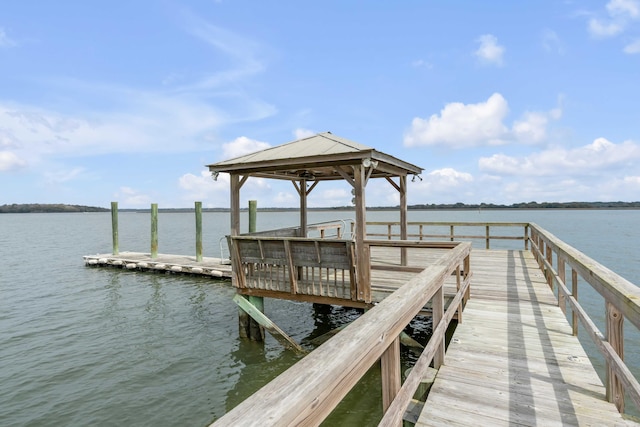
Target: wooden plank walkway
{"points": [[514, 361]]}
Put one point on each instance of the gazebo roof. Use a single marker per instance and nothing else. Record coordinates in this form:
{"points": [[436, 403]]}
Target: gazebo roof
{"points": [[319, 157]]}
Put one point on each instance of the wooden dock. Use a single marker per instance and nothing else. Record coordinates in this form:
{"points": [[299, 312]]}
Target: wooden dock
{"points": [[514, 360], [180, 264]]}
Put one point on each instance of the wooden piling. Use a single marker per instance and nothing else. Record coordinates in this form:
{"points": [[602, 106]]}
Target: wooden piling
{"points": [[198, 206], [253, 209], [256, 331], [114, 227], [154, 230]]}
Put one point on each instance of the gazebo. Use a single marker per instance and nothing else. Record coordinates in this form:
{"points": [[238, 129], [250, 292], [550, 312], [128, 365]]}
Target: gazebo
{"points": [[323, 157]]}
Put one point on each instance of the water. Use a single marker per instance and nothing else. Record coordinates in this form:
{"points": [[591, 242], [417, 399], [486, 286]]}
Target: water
{"points": [[82, 346]]}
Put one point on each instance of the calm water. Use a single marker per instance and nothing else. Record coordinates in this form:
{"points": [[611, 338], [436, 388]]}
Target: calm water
{"points": [[82, 346]]}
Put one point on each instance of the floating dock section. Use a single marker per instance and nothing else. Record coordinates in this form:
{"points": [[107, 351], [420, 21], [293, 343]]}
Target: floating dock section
{"points": [[181, 264]]}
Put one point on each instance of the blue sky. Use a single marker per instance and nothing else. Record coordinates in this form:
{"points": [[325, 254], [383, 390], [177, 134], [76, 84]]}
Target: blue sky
{"points": [[499, 102]]}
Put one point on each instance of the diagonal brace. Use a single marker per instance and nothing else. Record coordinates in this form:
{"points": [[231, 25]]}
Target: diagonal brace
{"points": [[266, 323]]}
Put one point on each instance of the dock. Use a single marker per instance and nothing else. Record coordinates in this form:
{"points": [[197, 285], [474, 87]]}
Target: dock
{"points": [[166, 263], [514, 360]]}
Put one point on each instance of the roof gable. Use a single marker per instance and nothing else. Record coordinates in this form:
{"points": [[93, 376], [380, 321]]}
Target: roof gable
{"points": [[318, 157]]}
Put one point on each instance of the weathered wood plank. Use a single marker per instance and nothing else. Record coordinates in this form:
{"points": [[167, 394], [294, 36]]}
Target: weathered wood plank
{"points": [[515, 361]]}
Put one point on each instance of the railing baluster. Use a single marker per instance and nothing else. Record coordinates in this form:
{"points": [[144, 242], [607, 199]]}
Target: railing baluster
{"points": [[615, 322], [562, 301], [574, 293], [487, 237]]}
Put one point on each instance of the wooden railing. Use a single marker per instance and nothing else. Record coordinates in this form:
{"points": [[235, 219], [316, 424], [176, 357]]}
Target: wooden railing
{"points": [[621, 301], [428, 231], [339, 229], [294, 265], [307, 392]]}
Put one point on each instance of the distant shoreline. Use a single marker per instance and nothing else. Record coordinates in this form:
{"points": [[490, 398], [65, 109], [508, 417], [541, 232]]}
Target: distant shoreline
{"points": [[63, 208]]}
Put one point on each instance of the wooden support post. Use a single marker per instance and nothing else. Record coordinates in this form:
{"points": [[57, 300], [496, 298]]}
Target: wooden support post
{"points": [[615, 336], [154, 230], [198, 206], [114, 227], [526, 237], [486, 238], [253, 208], [574, 292], [562, 300], [403, 218], [236, 274], [451, 234], [390, 372], [256, 330], [458, 286], [437, 304], [303, 208], [264, 321], [549, 252], [363, 261]]}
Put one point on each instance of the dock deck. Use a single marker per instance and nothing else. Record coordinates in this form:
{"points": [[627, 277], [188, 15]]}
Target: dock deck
{"points": [[183, 264], [514, 361]]}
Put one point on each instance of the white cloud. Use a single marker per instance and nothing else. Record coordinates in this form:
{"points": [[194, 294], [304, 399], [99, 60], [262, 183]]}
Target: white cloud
{"points": [[177, 119], [9, 161], [448, 177], [445, 185], [5, 40], [551, 42], [421, 63], [301, 133], [243, 52], [598, 28], [630, 8], [203, 188], [633, 47], [462, 125], [241, 146], [127, 196], [592, 159], [489, 51], [467, 125], [61, 176], [532, 128], [620, 14]]}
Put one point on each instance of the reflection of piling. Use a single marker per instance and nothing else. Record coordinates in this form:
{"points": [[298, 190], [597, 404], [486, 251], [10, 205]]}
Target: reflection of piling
{"points": [[114, 227], [154, 230]]}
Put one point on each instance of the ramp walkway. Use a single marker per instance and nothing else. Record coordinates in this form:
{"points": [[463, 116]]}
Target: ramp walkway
{"points": [[514, 360]]}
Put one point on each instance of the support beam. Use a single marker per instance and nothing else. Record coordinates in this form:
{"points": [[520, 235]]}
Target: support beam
{"points": [[303, 208], [390, 373], [363, 268], [403, 217], [264, 321]]}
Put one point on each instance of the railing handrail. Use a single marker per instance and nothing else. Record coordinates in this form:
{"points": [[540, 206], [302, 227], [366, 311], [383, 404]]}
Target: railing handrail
{"points": [[622, 300], [307, 392], [452, 236]]}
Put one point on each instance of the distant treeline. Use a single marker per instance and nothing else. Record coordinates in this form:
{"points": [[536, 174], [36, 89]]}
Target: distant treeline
{"points": [[535, 205], [46, 208]]}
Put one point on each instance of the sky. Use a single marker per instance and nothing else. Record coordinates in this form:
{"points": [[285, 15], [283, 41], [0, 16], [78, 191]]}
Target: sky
{"points": [[499, 102]]}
